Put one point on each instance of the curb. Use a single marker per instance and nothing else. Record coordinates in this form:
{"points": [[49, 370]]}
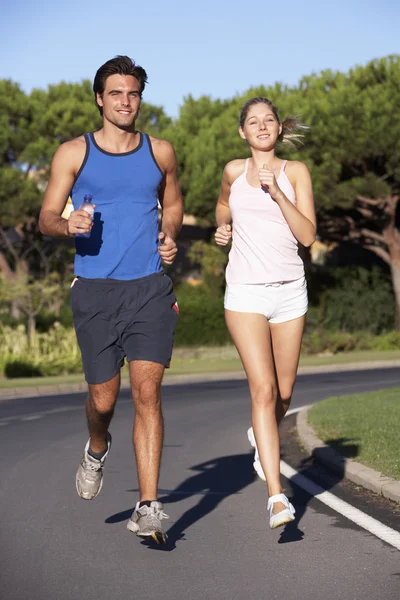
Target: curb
{"points": [[74, 388], [352, 470]]}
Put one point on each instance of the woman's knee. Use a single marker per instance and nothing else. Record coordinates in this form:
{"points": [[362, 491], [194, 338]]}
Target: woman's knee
{"points": [[264, 395], [286, 392]]}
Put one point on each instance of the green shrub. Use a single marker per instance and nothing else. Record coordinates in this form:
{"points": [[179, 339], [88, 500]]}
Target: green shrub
{"points": [[21, 368], [55, 352], [201, 317], [388, 341], [319, 341], [351, 299]]}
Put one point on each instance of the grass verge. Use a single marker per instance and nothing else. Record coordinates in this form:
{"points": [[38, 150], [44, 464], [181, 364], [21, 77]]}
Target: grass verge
{"points": [[364, 427]]}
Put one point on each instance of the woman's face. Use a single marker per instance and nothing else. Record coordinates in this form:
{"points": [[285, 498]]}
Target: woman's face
{"points": [[261, 128]]}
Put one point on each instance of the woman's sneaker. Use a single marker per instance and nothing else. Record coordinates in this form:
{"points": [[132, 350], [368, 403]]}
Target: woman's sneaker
{"points": [[146, 522], [256, 464], [89, 477], [282, 517]]}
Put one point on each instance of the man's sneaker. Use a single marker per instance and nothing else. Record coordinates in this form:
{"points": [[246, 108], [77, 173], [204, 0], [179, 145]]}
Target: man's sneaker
{"points": [[257, 463], [284, 516], [89, 477], [146, 522]]}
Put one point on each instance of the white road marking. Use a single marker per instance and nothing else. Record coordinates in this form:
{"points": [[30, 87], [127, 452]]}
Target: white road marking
{"points": [[292, 411], [45, 413], [385, 533], [388, 535]]}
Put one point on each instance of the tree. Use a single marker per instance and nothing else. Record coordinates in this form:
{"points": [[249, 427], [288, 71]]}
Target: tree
{"points": [[354, 151], [373, 224]]}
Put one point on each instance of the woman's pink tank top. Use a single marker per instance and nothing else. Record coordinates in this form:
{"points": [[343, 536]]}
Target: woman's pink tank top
{"points": [[264, 250]]}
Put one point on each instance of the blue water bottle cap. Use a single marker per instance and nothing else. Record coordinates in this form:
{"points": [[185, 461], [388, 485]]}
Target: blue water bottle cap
{"points": [[87, 198]]}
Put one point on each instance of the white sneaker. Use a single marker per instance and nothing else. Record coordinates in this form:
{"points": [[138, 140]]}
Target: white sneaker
{"points": [[284, 516], [256, 464], [89, 477], [146, 522]]}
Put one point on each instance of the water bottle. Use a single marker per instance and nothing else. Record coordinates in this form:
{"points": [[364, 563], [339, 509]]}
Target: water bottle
{"points": [[88, 206]]}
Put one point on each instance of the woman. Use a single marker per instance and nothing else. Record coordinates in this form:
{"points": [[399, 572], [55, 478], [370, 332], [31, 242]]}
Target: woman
{"points": [[270, 204]]}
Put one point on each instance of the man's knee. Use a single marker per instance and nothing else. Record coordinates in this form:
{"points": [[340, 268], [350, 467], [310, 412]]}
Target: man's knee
{"points": [[102, 397], [147, 394]]}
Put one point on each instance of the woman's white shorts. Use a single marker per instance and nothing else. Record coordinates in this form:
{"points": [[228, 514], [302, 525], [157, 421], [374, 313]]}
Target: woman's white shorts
{"points": [[278, 302]]}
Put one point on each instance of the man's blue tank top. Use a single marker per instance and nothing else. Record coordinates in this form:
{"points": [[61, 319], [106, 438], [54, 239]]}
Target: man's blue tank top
{"points": [[124, 239]]}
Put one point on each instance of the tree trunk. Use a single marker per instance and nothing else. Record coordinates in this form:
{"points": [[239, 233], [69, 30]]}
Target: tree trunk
{"points": [[5, 267], [15, 310], [31, 330], [395, 268]]}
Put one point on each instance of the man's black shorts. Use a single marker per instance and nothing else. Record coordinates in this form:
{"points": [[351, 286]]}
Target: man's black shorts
{"points": [[115, 319]]}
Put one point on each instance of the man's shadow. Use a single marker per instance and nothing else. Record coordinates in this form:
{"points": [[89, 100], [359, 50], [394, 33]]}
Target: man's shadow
{"points": [[221, 477], [313, 468], [214, 480]]}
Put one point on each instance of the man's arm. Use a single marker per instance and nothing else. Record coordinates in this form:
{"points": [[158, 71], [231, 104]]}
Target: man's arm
{"points": [[170, 198], [65, 165]]}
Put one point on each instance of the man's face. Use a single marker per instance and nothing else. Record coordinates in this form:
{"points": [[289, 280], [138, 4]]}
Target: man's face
{"points": [[120, 100]]}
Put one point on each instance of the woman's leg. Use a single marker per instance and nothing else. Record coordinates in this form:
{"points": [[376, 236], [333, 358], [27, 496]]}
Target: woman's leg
{"points": [[252, 338], [286, 345]]}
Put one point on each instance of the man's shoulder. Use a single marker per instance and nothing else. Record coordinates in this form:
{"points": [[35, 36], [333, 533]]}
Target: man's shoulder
{"points": [[71, 152], [164, 154], [77, 145], [160, 144]]}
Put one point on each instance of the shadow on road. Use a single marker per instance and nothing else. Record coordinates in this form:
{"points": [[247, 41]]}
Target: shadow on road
{"points": [[312, 468], [213, 480], [221, 477]]}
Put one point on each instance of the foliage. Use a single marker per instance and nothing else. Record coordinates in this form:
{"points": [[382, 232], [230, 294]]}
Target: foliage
{"points": [[212, 261], [53, 353], [350, 299], [352, 151], [201, 317]]}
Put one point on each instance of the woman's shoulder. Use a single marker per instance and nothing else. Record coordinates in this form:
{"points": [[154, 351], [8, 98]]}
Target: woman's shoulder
{"points": [[295, 167], [234, 168], [297, 173]]}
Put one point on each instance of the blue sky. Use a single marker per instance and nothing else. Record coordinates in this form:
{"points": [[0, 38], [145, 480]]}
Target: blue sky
{"points": [[213, 47]]}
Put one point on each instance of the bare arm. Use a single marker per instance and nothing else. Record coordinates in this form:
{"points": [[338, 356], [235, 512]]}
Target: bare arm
{"points": [[170, 199], [223, 215], [223, 212], [65, 164], [300, 218]]}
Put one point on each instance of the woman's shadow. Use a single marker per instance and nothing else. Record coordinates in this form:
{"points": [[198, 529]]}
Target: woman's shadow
{"points": [[214, 480], [221, 477], [317, 476]]}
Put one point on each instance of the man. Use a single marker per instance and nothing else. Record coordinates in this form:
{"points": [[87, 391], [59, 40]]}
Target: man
{"points": [[122, 303]]}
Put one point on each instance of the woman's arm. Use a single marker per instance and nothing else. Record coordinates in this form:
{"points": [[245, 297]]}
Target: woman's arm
{"points": [[300, 218], [223, 215]]}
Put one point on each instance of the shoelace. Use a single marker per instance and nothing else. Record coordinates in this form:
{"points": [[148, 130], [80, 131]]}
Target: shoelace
{"points": [[91, 466], [155, 515]]}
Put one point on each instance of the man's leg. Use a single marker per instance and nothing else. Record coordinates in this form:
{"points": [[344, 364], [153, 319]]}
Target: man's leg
{"points": [[148, 430], [100, 406], [99, 410], [148, 434]]}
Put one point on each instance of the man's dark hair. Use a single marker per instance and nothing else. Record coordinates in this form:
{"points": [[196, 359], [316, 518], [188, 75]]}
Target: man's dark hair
{"points": [[120, 65]]}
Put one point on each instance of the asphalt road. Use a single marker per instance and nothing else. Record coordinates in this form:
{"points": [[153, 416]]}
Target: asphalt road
{"points": [[55, 546]]}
